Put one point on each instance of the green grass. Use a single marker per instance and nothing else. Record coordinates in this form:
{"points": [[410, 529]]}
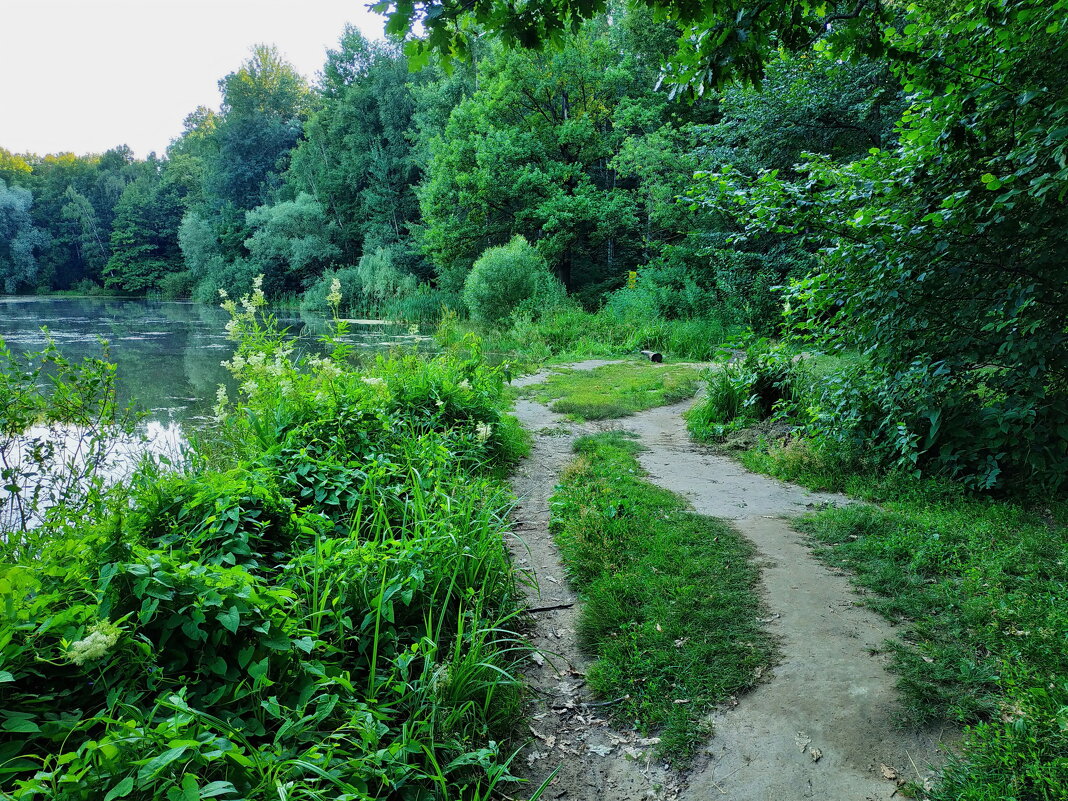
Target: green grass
{"points": [[980, 586], [615, 390], [670, 609]]}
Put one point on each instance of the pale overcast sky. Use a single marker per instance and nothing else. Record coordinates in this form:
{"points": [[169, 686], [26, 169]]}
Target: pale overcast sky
{"points": [[87, 75]]}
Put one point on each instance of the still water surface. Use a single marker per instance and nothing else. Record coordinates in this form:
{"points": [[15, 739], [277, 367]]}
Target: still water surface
{"points": [[168, 354]]}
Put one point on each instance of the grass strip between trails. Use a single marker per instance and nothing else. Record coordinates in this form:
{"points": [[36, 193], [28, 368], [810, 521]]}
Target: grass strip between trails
{"points": [[615, 390], [670, 608]]}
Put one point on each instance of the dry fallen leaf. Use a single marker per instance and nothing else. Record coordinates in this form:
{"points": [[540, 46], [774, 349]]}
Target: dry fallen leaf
{"points": [[601, 750], [815, 753], [888, 772], [539, 660], [801, 740]]}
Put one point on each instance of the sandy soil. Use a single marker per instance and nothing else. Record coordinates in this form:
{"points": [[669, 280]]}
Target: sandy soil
{"points": [[824, 724]]}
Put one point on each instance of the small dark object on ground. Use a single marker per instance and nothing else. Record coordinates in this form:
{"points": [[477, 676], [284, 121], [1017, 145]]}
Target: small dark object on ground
{"points": [[653, 356]]}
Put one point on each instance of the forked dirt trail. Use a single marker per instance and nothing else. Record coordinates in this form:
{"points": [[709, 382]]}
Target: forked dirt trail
{"points": [[823, 725]]}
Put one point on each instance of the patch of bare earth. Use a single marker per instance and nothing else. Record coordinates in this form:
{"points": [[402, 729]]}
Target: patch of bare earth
{"points": [[825, 724]]}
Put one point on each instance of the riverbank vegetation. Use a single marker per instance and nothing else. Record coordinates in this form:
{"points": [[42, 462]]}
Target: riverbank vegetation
{"points": [[317, 604], [671, 611]]}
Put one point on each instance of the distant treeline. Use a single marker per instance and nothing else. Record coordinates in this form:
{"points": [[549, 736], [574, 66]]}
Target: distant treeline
{"points": [[396, 181]]}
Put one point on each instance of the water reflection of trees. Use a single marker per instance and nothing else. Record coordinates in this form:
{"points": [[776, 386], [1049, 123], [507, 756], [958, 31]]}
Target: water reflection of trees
{"points": [[168, 354]]}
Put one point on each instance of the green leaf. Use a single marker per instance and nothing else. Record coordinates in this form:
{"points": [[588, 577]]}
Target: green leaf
{"points": [[5, 677], [230, 619], [120, 790], [190, 788], [21, 724], [157, 764], [214, 789]]}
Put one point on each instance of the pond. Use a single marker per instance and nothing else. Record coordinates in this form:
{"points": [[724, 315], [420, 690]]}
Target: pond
{"points": [[168, 354]]}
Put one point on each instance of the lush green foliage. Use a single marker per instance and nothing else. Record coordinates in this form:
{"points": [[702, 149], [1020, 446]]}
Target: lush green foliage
{"points": [[508, 279], [318, 605], [943, 256], [20, 240], [743, 392], [716, 42], [568, 333], [670, 610]]}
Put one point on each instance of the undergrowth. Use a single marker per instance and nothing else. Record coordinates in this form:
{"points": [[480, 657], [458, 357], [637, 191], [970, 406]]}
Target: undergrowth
{"points": [[670, 609], [319, 606], [570, 334], [615, 390]]}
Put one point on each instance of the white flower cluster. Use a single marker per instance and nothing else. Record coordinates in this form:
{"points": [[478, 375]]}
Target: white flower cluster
{"points": [[101, 638], [483, 431], [334, 298], [374, 382], [327, 368], [221, 402]]}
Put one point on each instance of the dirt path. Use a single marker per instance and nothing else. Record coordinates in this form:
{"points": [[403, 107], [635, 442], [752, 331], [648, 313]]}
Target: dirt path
{"points": [[569, 730], [824, 725]]}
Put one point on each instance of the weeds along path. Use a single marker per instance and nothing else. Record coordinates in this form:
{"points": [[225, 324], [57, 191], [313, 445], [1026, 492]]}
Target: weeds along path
{"points": [[569, 729], [825, 725]]}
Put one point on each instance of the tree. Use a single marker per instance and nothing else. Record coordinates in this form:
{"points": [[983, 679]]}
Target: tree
{"points": [[14, 169], [93, 244], [144, 236], [265, 103], [357, 157], [532, 151], [20, 240], [944, 257], [290, 244]]}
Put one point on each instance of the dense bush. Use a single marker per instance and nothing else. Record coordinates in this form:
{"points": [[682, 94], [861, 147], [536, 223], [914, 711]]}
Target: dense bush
{"points": [[507, 278], [744, 392]]}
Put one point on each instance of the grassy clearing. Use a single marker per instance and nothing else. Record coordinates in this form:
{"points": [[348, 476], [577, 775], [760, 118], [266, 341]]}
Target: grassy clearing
{"points": [[615, 390], [980, 586], [670, 608]]}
